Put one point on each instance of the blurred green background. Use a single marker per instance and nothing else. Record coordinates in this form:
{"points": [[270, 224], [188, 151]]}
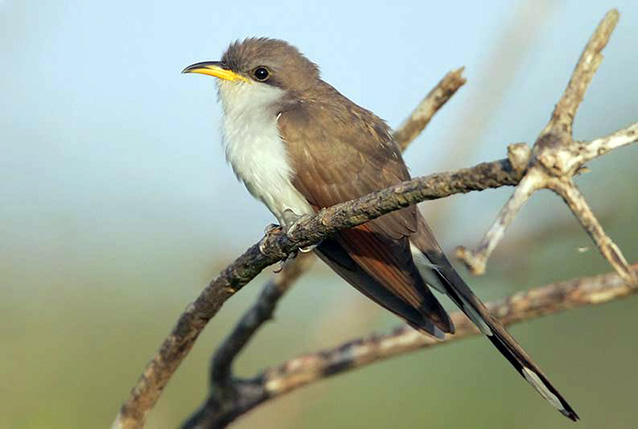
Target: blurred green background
{"points": [[117, 207]]}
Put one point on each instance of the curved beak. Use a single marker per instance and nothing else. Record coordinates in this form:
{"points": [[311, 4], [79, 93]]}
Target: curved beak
{"points": [[216, 69]]}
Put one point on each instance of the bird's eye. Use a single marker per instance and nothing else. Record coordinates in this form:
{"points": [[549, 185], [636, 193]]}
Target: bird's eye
{"points": [[261, 74]]}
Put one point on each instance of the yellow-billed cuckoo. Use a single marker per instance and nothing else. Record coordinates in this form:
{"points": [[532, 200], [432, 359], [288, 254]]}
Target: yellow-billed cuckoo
{"points": [[299, 145]]}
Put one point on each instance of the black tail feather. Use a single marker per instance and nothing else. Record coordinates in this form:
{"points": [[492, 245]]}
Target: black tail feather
{"points": [[533, 375], [437, 272], [476, 311]]}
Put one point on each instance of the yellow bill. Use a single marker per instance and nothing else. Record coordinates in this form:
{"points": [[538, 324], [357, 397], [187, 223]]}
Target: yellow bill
{"points": [[215, 69]]}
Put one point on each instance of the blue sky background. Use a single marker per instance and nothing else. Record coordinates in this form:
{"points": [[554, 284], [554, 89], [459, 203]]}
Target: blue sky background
{"points": [[101, 130], [114, 188]]}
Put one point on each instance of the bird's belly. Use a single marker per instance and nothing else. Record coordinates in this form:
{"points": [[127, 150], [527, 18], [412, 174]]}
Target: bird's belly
{"points": [[275, 191], [259, 159]]}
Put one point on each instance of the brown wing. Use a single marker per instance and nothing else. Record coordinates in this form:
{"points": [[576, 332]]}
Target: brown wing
{"points": [[333, 254], [340, 152]]}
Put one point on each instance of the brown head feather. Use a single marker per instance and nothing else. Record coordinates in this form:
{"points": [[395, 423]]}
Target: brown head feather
{"points": [[290, 68]]}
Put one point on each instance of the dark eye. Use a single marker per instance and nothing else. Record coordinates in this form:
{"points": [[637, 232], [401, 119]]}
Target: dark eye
{"points": [[261, 73]]}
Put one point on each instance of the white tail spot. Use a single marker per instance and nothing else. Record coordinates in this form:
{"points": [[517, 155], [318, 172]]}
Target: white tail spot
{"points": [[533, 379]]}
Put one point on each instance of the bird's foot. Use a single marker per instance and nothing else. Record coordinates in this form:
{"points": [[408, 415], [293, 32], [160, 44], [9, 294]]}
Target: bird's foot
{"points": [[273, 228], [280, 265], [292, 221], [269, 230], [307, 249]]}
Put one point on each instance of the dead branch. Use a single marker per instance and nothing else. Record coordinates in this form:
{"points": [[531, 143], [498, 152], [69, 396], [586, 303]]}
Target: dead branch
{"points": [[313, 367], [424, 112], [556, 158]]}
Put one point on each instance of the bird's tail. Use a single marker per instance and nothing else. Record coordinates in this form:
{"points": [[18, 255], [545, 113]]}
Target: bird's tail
{"points": [[470, 304]]}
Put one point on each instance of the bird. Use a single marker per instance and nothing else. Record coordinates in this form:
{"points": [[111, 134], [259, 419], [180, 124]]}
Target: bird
{"points": [[299, 145]]}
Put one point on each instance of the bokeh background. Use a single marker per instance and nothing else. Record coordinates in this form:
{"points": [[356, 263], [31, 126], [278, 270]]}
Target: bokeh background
{"points": [[117, 206]]}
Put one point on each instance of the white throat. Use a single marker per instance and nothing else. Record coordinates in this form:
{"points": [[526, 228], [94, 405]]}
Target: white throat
{"points": [[254, 148]]}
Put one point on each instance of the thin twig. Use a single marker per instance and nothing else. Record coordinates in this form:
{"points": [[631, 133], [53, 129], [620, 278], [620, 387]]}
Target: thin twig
{"points": [[424, 112], [476, 260], [599, 147], [590, 59], [314, 367], [578, 205]]}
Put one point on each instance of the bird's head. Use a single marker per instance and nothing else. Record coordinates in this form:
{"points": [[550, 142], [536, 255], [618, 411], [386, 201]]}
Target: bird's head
{"points": [[259, 69]]}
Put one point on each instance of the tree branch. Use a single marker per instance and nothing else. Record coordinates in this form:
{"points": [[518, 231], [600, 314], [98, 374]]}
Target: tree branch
{"points": [[578, 205], [313, 367], [424, 112], [565, 110], [277, 246], [556, 158], [598, 147]]}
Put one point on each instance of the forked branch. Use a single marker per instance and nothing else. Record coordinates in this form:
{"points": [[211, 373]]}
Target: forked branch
{"points": [[556, 158]]}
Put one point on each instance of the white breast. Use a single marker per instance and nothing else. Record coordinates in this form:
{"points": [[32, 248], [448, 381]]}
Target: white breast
{"points": [[254, 148]]}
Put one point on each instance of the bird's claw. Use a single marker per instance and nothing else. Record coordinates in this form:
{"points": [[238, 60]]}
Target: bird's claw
{"points": [[269, 230], [307, 249], [292, 221], [262, 246], [281, 264]]}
